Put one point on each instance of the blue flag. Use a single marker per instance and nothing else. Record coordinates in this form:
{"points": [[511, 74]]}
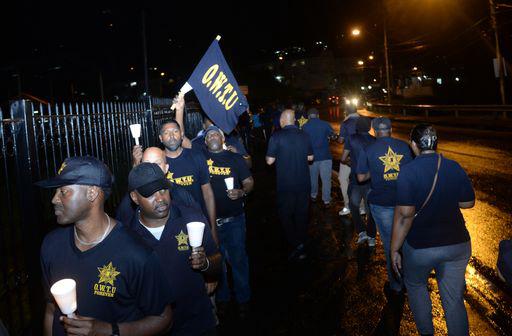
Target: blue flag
{"points": [[217, 89]]}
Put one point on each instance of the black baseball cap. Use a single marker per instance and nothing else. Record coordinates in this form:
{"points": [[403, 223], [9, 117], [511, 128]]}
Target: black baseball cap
{"points": [[381, 124], [82, 170], [147, 178]]}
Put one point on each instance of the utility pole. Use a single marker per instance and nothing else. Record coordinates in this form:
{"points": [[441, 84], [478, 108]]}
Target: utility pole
{"points": [[386, 52], [145, 51], [386, 57], [499, 58]]}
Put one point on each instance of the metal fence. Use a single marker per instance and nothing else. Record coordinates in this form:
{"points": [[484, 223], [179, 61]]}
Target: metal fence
{"points": [[34, 142]]}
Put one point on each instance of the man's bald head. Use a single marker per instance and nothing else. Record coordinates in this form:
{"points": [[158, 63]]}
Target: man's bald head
{"points": [[287, 118], [156, 155]]}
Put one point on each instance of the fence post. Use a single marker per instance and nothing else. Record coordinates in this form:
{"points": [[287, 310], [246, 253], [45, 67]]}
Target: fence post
{"points": [[149, 121], [21, 112]]}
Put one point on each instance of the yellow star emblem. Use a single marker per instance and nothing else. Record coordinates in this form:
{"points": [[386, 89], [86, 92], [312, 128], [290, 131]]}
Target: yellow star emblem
{"points": [[108, 274], [62, 166], [302, 121], [182, 238], [209, 162], [391, 160], [169, 176]]}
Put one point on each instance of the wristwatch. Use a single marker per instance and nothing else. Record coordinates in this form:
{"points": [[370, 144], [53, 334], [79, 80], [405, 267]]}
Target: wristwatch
{"points": [[115, 329]]}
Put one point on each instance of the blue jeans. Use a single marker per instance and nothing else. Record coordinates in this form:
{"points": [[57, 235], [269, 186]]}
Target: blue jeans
{"points": [[450, 264], [383, 216], [324, 169], [358, 193], [232, 247]]}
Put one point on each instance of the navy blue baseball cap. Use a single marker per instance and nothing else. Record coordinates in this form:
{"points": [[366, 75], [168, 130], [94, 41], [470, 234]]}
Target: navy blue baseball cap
{"points": [[82, 170], [381, 124], [213, 128], [147, 178]]}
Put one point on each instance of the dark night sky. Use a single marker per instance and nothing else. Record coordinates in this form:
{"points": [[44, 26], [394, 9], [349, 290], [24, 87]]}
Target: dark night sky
{"points": [[38, 36]]}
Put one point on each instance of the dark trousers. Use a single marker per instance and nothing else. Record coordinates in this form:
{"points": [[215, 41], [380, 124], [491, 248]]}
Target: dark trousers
{"points": [[356, 193], [293, 210]]}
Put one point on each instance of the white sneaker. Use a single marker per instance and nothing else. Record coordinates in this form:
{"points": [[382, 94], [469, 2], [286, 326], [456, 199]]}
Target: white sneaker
{"points": [[343, 212], [371, 242], [362, 211], [362, 238]]}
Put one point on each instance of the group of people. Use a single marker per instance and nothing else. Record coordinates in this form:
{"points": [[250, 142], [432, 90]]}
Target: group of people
{"points": [[137, 275], [413, 195]]}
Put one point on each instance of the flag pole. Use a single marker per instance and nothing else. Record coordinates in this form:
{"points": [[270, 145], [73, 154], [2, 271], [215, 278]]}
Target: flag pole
{"points": [[186, 87]]}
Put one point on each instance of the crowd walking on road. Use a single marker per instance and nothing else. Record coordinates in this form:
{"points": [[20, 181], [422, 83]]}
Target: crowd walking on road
{"points": [[142, 273]]}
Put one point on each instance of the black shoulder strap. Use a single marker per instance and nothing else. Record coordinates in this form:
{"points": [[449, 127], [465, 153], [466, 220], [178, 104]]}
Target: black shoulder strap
{"points": [[433, 186]]}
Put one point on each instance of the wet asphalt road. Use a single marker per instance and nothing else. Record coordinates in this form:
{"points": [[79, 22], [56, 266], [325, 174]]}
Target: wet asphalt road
{"points": [[338, 289]]}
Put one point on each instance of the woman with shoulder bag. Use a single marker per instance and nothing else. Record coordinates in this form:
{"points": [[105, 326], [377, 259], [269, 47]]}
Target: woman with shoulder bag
{"points": [[430, 231]]}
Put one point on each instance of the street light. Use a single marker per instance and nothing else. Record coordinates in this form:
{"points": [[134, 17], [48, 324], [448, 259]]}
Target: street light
{"points": [[371, 57], [356, 32], [360, 62]]}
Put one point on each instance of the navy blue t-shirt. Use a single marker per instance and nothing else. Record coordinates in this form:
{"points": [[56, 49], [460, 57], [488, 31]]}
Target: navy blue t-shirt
{"points": [[222, 165], [319, 132], [383, 159], [348, 126], [111, 285], [291, 147], [356, 143], [198, 143], [179, 195], [190, 171], [192, 309], [440, 222]]}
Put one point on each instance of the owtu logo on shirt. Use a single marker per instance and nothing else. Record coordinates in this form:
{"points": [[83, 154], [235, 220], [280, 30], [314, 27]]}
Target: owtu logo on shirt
{"points": [[182, 239], [105, 285], [226, 171], [182, 181], [391, 161]]}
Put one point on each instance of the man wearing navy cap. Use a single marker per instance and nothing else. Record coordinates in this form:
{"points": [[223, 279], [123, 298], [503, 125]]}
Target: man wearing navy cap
{"points": [[117, 293], [230, 222], [381, 162], [162, 225]]}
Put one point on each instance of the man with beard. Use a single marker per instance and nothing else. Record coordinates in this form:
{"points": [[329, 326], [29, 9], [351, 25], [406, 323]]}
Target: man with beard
{"points": [[222, 165], [188, 169], [117, 293], [162, 225]]}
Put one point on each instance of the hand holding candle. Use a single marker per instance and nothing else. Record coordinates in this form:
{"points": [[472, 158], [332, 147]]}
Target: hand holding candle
{"points": [[135, 129], [230, 182], [64, 292]]}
